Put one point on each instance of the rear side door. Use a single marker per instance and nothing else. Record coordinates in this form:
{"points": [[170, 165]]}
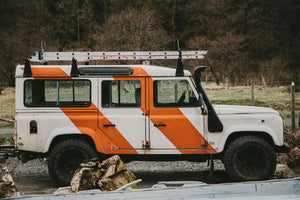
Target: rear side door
{"points": [[121, 118], [176, 121]]}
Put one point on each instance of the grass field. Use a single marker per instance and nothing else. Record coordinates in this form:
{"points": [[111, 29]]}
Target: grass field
{"points": [[277, 98], [7, 106]]}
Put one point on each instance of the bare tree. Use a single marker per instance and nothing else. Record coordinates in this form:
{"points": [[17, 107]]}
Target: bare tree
{"points": [[132, 29], [224, 59], [272, 70]]}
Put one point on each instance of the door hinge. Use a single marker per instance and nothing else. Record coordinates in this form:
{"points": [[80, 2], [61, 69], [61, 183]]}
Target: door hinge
{"points": [[204, 143], [146, 145]]}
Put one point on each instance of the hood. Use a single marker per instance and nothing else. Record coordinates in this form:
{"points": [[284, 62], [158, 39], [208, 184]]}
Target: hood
{"points": [[232, 109]]}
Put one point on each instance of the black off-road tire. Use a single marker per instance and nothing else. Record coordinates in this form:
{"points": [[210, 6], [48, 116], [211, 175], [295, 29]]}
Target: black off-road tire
{"points": [[65, 158], [250, 158]]}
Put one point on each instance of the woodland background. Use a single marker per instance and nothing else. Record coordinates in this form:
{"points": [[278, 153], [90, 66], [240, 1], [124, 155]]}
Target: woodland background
{"points": [[246, 39]]}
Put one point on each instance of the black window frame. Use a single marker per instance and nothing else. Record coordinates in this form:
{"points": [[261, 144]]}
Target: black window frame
{"points": [[60, 104], [173, 105], [108, 96]]}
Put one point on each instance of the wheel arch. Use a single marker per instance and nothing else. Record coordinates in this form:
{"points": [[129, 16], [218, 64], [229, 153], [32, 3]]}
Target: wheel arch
{"points": [[263, 135], [82, 137]]}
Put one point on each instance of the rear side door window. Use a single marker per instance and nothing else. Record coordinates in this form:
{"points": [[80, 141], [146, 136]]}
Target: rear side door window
{"points": [[121, 93]]}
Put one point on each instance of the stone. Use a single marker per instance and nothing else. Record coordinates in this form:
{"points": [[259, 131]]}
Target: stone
{"points": [[292, 138], [295, 157], [291, 159], [85, 179], [283, 171], [64, 190], [116, 181], [113, 165], [283, 159], [7, 185], [109, 175]]}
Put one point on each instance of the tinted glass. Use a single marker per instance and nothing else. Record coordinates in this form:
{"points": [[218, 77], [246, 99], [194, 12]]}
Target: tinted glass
{"points": [[60, 93], [173, 93], [121, 93]]}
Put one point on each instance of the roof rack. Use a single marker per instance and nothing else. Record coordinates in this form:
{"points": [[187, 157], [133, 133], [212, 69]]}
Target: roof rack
{"points": [[44, 57], [41, 56]]}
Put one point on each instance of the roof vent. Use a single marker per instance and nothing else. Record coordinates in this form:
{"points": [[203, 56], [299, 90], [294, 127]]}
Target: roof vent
{"points": [[106, 71]]}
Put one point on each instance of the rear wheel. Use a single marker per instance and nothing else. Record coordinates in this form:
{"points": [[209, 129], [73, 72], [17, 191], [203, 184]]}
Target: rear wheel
{"points": [[250, 158], [65, 158]]}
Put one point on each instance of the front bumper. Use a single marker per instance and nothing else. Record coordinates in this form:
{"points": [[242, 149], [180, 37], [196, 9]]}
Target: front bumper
{"points": [[285, 148]]}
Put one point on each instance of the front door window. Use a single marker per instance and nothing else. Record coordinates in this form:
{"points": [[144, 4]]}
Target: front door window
{"points": [[173, 93]]}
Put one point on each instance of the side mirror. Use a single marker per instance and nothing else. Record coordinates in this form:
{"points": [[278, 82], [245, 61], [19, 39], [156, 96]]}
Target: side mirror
{"points": [[201, 104]]}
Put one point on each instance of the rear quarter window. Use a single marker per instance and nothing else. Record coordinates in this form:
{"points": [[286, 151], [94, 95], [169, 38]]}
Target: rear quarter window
{"points": [[57, 93]]}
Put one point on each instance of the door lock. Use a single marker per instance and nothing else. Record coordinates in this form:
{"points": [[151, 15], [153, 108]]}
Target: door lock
{"points": [[108, 125]]}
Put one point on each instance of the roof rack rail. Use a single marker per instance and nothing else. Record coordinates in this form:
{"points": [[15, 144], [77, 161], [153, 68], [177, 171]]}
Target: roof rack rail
{"points": [[41, 56], [44, 57]]}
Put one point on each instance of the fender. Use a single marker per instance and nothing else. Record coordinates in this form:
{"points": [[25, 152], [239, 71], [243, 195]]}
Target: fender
{"points": [[72, 131], [247, 128], [59, 132]]}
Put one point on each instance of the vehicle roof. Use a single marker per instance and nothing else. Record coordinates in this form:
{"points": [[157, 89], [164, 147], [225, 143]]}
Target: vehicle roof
{"points": [[64, 71]]}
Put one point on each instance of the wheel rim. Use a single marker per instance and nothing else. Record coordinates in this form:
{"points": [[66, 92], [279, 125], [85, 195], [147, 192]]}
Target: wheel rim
{"points": [[251, 162], [68, 162]]}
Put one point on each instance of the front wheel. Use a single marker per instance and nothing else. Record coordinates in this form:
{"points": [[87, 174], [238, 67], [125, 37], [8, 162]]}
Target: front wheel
{"points": [[250, 158], [65, 158]]}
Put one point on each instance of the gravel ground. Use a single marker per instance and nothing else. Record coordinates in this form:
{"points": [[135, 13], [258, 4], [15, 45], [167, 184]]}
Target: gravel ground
{"points": [[33, 178]]}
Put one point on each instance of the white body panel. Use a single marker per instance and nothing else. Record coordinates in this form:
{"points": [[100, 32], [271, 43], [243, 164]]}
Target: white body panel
{"points": [[128, 121], [136, 125]]}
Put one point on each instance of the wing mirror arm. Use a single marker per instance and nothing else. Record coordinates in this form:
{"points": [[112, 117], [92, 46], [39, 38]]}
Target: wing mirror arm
{"points": [[201, 104]]}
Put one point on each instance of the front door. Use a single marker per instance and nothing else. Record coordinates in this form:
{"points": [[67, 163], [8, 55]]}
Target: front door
{"points": [[176, 122], [121, 118]]}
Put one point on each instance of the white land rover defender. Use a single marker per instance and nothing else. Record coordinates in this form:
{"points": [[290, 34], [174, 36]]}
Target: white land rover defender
{"points": [[140, 112]]}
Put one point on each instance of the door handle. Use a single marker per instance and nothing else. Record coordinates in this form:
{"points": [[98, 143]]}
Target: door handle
{"points": [[108, 125], [157, 125]]}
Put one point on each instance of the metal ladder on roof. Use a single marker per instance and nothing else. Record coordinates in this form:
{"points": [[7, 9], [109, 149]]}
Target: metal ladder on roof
{"points": [[44, 57]]}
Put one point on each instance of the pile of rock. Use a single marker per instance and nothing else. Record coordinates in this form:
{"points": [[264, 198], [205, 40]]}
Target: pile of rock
{"points": [[109, 175], [283, 171], [293, 158], [7, 185]]}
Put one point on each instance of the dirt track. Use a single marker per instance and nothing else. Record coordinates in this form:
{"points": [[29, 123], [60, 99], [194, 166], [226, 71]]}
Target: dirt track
{"points": [[33, 178]]}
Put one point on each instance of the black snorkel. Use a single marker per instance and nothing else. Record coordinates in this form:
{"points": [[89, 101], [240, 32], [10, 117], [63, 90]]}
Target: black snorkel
{"points": [[214, 122]]}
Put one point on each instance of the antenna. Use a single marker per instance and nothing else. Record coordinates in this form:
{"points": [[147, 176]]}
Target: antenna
{"points": [[179, 68]]}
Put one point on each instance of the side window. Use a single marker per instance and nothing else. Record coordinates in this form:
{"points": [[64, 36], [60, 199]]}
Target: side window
{"points": [[121, 93], [173, 93], [57, 93]]}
